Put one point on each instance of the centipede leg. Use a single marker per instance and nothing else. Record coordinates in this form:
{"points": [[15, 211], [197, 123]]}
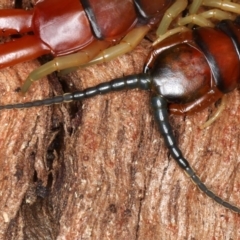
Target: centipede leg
{"points": [[224, 5], [215, 114], [20, 50], [197, 106], [195, 19], [133, 38], [128, 43], [189, 108], [194, 6], [170, 15], [227, 7], [60, 63], [200, 19], [83, 58], [15, 21]]}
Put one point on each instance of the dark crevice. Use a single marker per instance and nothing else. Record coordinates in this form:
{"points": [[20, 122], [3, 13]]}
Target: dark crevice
{"points": [[18, 4], [17, 90], [55, 146], [58, 142], [50, 158], [112, 208], [50, 180], [38, 222], [56, 124], [63, 84], [140, 211], [45, 58], [74, 108], [41, 191], [35, 178]]}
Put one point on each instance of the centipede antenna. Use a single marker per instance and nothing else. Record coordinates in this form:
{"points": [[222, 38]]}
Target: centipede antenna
{"points": [[140, 81], [159, 105]]}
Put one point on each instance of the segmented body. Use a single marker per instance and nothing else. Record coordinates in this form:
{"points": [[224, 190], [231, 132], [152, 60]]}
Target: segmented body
{"points": [[68, 27], [79, 33], [88, 20]]}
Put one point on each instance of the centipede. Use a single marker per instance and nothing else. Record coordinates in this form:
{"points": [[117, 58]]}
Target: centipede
{"points": [[184, 72], [86, 30]]}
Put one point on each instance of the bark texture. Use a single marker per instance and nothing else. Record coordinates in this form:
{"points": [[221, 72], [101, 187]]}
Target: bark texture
{"points": [[98, 169]]}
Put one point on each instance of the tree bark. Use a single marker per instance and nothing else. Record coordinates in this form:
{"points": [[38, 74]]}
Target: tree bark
{"points": [[99, 169]]}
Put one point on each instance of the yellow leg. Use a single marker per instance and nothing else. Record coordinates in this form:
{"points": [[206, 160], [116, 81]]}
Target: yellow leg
{"points": [[128, 43], [170, 15], [88, 56], [216, 114], [226, 5], [228, 12], [223, 5], [202, 18], [170, 33], [68, 61], [195, 19], [218, 14], [194, 7]]}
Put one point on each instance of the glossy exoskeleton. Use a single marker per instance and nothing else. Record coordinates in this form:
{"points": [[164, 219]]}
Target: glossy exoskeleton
{"points": [[185, 73], [74, 31]]}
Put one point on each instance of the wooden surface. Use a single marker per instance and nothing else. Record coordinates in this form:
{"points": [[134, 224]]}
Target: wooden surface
{"points": [[99, 169]]}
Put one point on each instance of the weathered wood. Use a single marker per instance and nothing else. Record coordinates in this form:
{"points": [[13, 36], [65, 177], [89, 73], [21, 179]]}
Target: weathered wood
{"points": [[99, 169]]}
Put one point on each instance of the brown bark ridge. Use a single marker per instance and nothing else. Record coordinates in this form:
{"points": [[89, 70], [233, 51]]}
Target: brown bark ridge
{"points": [[98, 169]]}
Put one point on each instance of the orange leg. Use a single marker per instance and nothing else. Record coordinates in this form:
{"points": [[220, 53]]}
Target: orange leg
{"points": [[199, 104], [27, 47], [14, 21], [21, 49]]}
